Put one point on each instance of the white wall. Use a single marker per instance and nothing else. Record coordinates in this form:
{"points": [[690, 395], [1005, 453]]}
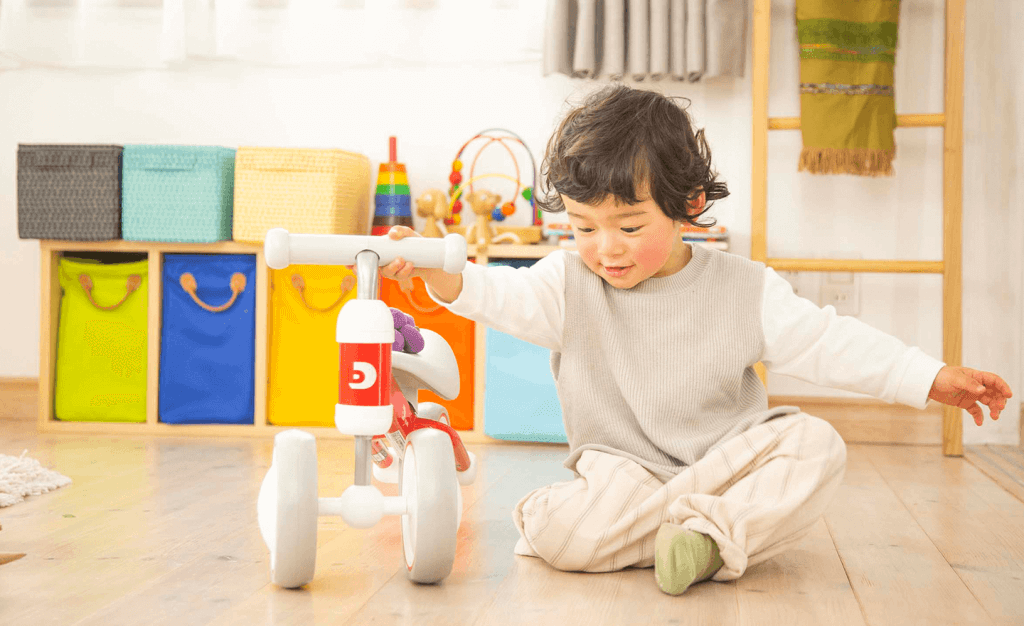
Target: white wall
{"points": [[993, 188], [434, 107]]}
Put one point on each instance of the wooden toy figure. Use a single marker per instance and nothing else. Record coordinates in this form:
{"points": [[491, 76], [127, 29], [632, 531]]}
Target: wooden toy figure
{"points": [[432, 205], [483, 203]]}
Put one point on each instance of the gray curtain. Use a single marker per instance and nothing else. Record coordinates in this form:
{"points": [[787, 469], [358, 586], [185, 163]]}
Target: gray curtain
{"points": [[685, 40]]}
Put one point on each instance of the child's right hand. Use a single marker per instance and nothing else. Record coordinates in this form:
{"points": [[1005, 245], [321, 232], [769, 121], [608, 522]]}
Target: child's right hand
{"points": [[400, 269], [445, 286]]}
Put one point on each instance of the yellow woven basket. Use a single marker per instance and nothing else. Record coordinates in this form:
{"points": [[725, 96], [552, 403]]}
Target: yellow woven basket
{"points": [[323, 192]]}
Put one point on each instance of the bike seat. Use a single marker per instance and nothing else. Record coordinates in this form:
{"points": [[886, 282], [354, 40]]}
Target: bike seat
{"points": [[434, 368]]}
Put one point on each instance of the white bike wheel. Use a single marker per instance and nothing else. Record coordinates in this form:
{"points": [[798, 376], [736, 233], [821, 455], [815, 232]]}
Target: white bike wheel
{"points": [[428, 482], [433, 411], [436, 412], [288, 508]]}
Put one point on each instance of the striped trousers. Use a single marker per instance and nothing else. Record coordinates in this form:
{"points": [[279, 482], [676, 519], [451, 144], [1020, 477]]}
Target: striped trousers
{"points": [[755, 494]]}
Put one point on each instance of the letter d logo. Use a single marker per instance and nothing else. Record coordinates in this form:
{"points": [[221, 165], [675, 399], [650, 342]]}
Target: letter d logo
{"points": [[363, 375]]}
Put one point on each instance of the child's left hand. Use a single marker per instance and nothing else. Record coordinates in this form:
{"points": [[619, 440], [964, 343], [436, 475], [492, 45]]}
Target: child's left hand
{"points": [[964, 387]]}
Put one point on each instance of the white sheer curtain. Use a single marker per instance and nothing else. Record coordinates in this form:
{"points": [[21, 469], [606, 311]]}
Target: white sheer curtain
{"points": [[277, 33]]}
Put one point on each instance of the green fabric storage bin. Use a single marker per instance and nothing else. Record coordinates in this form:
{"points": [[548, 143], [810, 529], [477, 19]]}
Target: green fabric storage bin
{"points": [[177, 193], [101, 341]]}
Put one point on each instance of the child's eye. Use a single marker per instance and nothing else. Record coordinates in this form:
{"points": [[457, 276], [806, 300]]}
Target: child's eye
{"points": [[585, 230], [632, 229]]}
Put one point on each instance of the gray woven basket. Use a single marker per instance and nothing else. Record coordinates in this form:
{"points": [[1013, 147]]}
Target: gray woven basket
{"points": [[69, 192]]}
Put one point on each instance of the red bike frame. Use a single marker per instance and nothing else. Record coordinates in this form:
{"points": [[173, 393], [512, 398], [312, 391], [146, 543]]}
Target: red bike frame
{"points": [[404, 422]]}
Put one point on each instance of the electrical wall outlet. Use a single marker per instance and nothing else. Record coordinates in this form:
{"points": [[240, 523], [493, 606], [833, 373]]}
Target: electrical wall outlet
{"points": [[842, 289], [805, 284], [844, 297], [793, 278], [838, 289]]}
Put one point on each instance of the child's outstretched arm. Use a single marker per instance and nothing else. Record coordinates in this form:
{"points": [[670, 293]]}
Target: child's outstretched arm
{"points": [[817, 345], [964, 387], [527, 303]]}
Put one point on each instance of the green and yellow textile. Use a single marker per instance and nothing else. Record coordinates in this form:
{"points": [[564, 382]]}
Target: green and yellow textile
{"points": [[847, 110]]}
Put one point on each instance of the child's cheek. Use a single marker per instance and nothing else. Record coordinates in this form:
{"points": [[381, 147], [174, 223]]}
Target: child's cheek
{"points": [[650, 254], [587, 254]]}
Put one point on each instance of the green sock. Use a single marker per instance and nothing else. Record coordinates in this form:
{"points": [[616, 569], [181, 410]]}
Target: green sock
{"points": [[683, 557]]}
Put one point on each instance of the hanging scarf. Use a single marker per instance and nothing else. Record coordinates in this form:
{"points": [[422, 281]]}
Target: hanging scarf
{"points": [[847, 110]]}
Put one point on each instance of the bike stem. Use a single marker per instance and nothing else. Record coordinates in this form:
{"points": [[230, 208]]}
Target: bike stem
{"points": [[367, 288]]}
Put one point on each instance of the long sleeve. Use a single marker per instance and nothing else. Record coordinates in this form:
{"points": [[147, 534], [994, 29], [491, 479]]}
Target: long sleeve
{"points": [[818, 346], [527, 303]]}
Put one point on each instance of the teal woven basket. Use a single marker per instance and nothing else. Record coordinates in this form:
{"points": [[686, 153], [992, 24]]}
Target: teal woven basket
{"points": [[177, 193]]}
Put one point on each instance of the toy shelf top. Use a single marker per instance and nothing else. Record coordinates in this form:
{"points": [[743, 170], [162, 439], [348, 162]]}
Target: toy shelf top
{"points": [[494, 251], [121, 245]]}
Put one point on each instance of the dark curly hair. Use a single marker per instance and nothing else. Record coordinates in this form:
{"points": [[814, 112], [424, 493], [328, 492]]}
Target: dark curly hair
{"points": [[624, 142]]}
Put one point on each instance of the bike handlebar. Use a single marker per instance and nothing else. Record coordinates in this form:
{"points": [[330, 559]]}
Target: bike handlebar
{"points": [[283, 249]]}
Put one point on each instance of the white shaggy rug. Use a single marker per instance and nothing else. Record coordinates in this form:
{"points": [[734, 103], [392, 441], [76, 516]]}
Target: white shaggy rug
{"points": [[21, 476]]}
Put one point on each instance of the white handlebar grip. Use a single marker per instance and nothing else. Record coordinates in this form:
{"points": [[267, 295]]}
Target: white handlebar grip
{"points": [[283, 249], [454, 253], [275, 248]]}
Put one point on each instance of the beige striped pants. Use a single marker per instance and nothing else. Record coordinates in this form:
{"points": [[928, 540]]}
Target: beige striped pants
{"points": [[755, 494]]}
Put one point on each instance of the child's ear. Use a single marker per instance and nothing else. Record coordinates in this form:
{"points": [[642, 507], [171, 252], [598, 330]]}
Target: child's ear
{"points": [[697, 204]]}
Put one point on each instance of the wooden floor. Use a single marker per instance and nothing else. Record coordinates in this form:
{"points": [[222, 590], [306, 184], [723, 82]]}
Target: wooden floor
{"points": [[163, 531]]}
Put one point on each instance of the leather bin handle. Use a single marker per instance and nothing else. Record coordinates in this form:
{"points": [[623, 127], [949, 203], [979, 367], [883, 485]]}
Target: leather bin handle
{"points": [[134, 281], [299, 283], [188, 283]]}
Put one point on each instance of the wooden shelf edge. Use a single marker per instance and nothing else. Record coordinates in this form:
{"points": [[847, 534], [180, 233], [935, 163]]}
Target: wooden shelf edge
{"points": [[121, 245], [496, 251]]}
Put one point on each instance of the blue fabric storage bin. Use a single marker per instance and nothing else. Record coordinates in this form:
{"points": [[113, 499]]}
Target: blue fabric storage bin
{"points": [[521, 403], [177, 193], [207, 358]]}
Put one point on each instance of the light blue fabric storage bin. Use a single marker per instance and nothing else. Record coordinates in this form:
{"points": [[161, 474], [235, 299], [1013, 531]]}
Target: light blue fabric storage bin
{"points": [[177, 193], [521, 403]]}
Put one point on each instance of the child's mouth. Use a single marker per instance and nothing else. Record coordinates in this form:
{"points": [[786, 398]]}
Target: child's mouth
{"points": [[617, 272]]}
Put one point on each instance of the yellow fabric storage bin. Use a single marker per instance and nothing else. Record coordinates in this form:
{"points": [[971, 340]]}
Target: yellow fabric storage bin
{"points": [[303, 361], [321, 192]]}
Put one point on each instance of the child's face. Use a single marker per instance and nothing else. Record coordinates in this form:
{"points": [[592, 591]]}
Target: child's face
{"points": [[626, 244]]}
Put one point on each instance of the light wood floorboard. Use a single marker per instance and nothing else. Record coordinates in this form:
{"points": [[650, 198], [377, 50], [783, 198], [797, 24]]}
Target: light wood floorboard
{"points": [[159, 530], [897, 573], [1003, 464], [975, 524]]}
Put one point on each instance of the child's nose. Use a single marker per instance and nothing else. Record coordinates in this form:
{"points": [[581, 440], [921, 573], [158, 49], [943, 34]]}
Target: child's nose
{"points": [[608, 244]]}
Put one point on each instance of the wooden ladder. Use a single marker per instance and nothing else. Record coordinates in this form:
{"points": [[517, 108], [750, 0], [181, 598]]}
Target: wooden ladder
{"points": [[951, 120]]}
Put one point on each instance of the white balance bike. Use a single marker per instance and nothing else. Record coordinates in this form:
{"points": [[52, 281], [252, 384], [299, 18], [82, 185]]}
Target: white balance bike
{"points": [[377, 404]]}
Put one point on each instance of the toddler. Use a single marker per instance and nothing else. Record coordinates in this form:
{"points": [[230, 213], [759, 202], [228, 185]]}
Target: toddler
{"points": [[679, 463]]}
